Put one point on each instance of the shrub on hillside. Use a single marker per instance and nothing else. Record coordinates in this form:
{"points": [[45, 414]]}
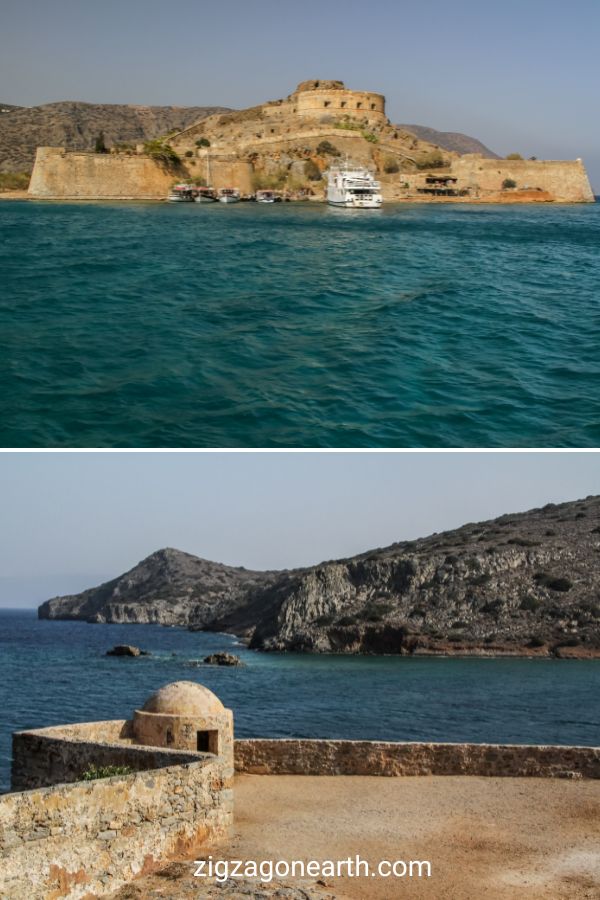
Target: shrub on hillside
{"points": [[203, 142], [312, 171], [553, 583], [161, 152], [433, 160], [93, 772], [326, 148], [514, 156], [508, 183]]}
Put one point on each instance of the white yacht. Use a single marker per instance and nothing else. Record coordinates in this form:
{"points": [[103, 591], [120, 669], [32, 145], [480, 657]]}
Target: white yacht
{"points": [[353, 186], [228, 195]]}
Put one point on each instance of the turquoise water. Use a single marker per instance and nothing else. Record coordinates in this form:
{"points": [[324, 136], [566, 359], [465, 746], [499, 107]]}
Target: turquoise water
{"points": [[57, 672], [299, 325]]}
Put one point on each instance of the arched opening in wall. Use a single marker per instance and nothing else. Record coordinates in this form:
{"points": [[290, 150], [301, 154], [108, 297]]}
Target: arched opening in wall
{"points": [[359, 105], [207, 741], [343, 104], [372, 106], [169, 736], [327, 103], [317, 83]]}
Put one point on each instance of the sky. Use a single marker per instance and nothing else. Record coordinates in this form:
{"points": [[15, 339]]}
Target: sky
{"points": [[521, 75], [69, 521]]}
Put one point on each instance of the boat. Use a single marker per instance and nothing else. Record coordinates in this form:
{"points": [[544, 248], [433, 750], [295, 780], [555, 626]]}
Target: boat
{"points": [[182, 193], [268, 197], [205, 195], [228, 195], [353, 187]]}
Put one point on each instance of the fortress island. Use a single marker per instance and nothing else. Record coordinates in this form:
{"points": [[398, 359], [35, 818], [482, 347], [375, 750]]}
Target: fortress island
{"points": [[289, 144]]}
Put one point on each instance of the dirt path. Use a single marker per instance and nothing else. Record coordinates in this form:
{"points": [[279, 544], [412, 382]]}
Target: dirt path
{"points": [[498, 838]]}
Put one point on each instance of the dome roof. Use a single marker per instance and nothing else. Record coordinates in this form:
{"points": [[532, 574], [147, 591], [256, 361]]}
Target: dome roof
{"points": [[184, 698]]}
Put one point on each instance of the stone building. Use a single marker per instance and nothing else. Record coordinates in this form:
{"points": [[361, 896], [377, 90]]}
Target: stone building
{"points": [[185, 716], [314, 99]]}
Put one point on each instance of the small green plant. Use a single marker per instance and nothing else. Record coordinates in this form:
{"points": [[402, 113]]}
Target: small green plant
{"points": [[514, 156], [523, 542], [189, 153], [203, 142], [93, 772], [508, 184], [326, 148], [370, 137], [348, 125]]}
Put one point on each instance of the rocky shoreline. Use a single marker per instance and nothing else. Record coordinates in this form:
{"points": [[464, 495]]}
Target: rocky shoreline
{"points": [[525, 585]]}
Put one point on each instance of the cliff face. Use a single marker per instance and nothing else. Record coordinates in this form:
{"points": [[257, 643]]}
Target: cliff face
{"points": [[527, 583]]}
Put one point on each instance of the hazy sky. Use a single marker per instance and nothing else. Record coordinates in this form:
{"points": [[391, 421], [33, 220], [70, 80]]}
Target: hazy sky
{"points": [[522, 75], [71, 520]]}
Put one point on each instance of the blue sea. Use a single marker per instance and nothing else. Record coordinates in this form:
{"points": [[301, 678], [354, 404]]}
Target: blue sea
{"points": [[57, 672], [199, 325]]}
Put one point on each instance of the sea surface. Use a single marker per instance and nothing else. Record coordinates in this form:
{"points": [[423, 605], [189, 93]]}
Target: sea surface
{"points": [[205, 325], [57, 672]]}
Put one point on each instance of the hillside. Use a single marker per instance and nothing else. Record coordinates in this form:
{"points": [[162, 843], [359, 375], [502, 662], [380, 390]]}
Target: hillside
{"points": [[526, 584], [450, 140], [76, 125], [167, 588]]}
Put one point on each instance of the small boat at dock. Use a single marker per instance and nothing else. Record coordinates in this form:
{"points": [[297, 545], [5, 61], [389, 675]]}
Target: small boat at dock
{"points": [[182, 193], [205, 195], [228, 195], [268, 197]]}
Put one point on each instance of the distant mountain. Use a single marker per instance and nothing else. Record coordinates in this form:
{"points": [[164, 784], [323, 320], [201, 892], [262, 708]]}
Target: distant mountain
{"points": [[450, 140], [76, 125], [525, 584]]}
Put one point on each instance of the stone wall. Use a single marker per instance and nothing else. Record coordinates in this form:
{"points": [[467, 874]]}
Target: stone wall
{"points": [[74, 838], [323, 757], [61, 175], [565, 180]]}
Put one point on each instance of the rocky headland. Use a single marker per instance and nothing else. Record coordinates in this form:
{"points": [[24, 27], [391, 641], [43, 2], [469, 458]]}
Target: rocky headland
{"points": [[522, 584]]}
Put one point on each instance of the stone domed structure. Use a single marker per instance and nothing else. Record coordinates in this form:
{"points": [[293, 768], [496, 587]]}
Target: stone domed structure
{"points": [[185, 715]]}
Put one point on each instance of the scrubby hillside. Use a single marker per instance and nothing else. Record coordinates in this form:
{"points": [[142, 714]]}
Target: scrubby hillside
{"points": [[77, 125], [454, 141], [527, 583]]}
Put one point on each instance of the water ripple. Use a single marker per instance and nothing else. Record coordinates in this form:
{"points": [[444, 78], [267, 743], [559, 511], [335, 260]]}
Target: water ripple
{"points": [[154, 325]]}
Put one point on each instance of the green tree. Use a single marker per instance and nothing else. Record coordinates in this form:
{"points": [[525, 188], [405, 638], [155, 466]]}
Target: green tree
{"points": [[325, 148], [508, 183], [161, 152], [100, 145]]}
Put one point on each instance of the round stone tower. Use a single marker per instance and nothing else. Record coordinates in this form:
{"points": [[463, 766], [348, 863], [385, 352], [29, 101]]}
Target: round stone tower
{"points": [[317, 98], [185, 715]]}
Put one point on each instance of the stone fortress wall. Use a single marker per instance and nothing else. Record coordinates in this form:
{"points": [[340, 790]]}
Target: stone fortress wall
{"points": [[328, 757], [61, 836]]}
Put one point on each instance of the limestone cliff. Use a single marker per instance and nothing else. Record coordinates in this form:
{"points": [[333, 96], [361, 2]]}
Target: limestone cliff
{"points": [[527, 583]]}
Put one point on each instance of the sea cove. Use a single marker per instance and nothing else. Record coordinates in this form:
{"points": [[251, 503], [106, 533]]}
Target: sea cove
{"points": [[58, 672], [299, 325]]}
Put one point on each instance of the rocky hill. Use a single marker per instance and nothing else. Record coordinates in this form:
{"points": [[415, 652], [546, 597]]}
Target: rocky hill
{"points": [[450, 140], [526, 584], [167, 588], [76, 126]]}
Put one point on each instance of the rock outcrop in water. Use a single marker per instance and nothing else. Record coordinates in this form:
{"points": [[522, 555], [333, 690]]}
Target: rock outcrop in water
{"points": [[526, 584]]}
